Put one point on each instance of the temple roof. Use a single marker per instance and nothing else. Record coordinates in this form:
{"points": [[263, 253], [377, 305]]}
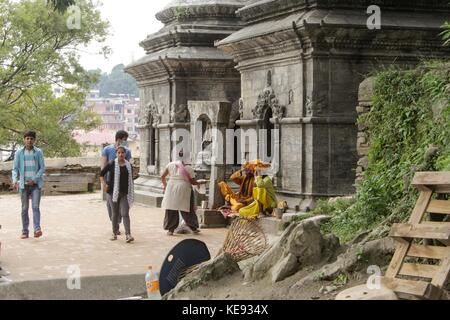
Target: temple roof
{"points": [[178, 3], [338, 18], [189, 9], [257, 10], [196, 23]]}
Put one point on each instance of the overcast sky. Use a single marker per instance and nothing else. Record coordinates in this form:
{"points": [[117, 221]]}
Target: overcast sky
{"points": [[131, 21]]}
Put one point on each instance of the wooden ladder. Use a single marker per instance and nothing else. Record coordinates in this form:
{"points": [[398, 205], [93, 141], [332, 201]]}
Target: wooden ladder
{"points": [[428, 278]]}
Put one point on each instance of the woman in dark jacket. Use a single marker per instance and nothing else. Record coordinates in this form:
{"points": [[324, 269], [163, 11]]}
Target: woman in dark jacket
{"points": [[120, 192]]}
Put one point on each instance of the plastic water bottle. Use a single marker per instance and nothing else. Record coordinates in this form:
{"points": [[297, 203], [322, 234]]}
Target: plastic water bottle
{"points": [[152, 284]]}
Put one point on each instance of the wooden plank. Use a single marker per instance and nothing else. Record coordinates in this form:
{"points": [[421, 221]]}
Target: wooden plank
{"points": [[439, 207], [403, 247], [421, 231], [441, 277], [419, 270], [431, 178], [445, 188], [420, 289], [397, 259], [430, 252], [420, 207]]}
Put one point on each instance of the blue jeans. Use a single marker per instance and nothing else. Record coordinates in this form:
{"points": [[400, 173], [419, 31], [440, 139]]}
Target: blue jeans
{"points": [[35, 194]]}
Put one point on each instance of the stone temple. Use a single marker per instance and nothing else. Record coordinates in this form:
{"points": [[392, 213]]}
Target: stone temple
{"points": [[292, 67]]}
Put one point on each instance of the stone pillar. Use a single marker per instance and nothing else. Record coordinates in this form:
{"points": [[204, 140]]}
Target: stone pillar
{"points": [[218, 166], [219, 113], [144, 132], [363, 143]]}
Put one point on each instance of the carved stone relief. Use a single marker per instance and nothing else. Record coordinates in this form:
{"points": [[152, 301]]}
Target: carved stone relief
{"points": [[180, 114], [268, 99]]}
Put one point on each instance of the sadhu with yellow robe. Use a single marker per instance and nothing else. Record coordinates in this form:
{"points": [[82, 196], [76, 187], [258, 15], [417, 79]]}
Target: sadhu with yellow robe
{"points": [[245, 178], [264, 197]]}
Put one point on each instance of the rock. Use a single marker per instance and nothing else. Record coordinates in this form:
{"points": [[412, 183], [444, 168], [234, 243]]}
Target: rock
{"points": [[364, 162], [328, 289], [301, 245], [431, 152], [213, 270], [366, 89], [285, 268], [336, 199], [356, 258]]}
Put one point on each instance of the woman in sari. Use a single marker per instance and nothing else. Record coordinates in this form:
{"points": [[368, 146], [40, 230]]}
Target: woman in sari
{"points": [[178, 196]]}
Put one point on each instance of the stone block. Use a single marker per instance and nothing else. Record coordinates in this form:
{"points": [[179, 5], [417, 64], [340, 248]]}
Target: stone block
{"points": [[364, 162], [211, 219]]}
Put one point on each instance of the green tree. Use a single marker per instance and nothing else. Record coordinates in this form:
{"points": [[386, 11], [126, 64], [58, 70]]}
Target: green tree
{"points": [[117, 82], [39, 48], [55, 120]]}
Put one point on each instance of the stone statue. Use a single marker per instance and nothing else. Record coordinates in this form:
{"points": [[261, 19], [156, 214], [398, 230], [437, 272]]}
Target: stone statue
{"points": [[241, 108], [204, 157], [179, 114], [144, 115], [154, 111]]}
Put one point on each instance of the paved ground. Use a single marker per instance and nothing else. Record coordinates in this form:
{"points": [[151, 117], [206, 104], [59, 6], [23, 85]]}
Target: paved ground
{"points": [[76, 233]]}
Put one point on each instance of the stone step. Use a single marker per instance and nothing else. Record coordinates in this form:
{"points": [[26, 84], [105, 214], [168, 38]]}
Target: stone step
{"points": [[146, 188], [150, 199]]}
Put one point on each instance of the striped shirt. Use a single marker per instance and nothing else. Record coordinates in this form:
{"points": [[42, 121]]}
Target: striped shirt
{"points": [[30, 165]]}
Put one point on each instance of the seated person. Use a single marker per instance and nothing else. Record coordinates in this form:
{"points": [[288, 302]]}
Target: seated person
{"points": [[245, 179], [264, 196]]}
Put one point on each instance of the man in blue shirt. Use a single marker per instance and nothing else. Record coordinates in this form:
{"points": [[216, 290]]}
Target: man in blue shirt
{"points": [[109, 154], [28, 177]]}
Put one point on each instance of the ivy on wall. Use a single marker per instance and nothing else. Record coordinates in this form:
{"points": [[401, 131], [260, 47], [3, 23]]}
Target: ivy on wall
{"points": [[409, 126]]}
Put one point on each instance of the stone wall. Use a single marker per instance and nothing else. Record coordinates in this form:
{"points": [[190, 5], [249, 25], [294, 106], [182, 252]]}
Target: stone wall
{"points": [[71, 166], [366, 91]]}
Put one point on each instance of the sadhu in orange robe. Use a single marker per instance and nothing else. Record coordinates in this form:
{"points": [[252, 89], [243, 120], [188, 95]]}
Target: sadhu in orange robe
{"points": [[246, 180]]}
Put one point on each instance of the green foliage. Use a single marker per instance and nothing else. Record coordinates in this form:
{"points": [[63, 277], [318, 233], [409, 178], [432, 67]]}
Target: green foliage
{"points": [[36, 46], [302, 217], [341, 280], [409, 126], [54, 120], [446, 33], [117, 82], [38, 49]]}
